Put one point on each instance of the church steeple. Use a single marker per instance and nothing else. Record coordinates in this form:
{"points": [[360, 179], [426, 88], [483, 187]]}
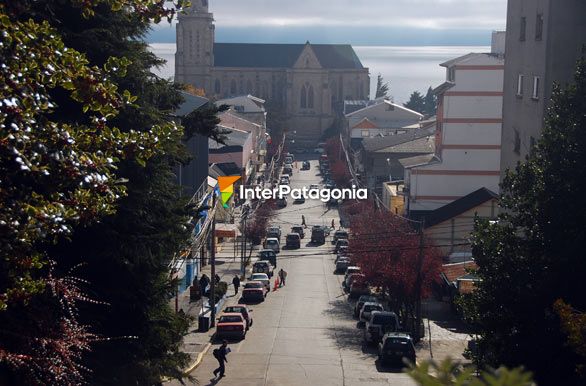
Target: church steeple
{"points": [[194, 58]]}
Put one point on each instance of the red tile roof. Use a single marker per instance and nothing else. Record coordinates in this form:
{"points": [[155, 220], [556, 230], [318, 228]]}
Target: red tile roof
{"points": [[456, 270]]}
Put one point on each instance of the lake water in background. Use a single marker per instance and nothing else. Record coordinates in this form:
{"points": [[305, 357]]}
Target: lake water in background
{"points": [[405, 68]]}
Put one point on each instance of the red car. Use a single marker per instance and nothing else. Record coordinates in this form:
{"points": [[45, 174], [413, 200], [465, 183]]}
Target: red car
{"points": [[231, 325], [254, 291], [241, 309]]}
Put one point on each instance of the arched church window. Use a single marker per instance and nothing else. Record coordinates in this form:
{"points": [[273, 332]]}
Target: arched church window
{"points": [[217, 86], [303, 97], [310, 97], [233, 87]]}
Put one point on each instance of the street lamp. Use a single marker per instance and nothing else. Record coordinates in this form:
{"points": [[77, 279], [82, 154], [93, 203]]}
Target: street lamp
{"points": [[389, 164]]}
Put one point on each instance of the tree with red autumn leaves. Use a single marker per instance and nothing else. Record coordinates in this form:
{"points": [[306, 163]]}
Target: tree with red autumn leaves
{"points": [[387, 248], [338, 163]]}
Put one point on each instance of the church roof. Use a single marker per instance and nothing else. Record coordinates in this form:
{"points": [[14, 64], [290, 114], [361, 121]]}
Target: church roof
{"points": [[258, 55]]}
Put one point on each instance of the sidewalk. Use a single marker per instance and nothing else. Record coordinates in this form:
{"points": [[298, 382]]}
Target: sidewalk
{"points": [[197, 343]]}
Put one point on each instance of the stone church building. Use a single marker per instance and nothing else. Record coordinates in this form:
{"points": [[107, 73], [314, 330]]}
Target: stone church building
{"points": [[308, 82]]}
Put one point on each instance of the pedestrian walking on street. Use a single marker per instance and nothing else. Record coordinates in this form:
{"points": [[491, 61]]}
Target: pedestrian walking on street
{"points": [[236, 282], [217, 278], [203, 284], [303, 221], [220, 354], [282, 276], [333, 224]]}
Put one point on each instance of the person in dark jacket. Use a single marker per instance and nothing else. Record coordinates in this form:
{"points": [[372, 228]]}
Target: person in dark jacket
{"points": [[220, 354], [236, 282], [204, 281]]}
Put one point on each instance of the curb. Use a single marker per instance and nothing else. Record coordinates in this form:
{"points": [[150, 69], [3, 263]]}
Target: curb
{"points": [[198, 360]]}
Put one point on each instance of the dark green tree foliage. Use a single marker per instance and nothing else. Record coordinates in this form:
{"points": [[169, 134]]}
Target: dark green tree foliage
{"points": [[382, 87], [416, 102], [534, 255], [124, 257], [430, 103]]}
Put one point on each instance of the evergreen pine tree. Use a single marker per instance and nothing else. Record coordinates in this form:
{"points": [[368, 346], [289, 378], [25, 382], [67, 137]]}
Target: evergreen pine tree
{"points": [[416, 102], [430, 103]]}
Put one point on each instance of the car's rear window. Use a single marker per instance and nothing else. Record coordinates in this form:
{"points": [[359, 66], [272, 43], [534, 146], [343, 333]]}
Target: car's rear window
{"points": [[253, 285], [230, 319], [396, 343], [233, 309], [370, 307], [383, 319]]}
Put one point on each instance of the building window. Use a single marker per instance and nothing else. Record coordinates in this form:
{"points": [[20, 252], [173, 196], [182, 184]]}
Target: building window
{"points": [[217, 86], [451, 74], [306, 96], [517, 144], [365, 133], [523, 28], [539, 27], [520, 80], [233, 87], [535, 88]]}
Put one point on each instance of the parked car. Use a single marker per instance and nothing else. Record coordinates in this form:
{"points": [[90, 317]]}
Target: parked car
{"points": [[367, 309], [231, 325], [293, 241], [284, 179], [318, 150], [298, 229], [342, 264], [322, 158], [241, 309], [349, 279], [281, 202], [289, 158], [299, 200], [306, 165], [395, 348], [263, 266], [339, 243], [318, 235], [343, 250], [288, 169], [274, 231], [361, 300], [314, 187], [350, 270], [380, 322], [340, 234], [268, 254], [263, 278], [272, 243], [358, 288], [254, 291]]}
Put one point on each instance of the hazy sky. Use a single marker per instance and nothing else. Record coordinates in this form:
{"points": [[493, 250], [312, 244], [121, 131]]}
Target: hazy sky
{"points": [[400, 22]]}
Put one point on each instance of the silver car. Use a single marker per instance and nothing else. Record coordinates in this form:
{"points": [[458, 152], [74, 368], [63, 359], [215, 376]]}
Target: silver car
{"points": [[367, 309]]}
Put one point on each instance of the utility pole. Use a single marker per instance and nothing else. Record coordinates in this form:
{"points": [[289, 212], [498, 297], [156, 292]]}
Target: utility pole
{"points": [[419, 283], [213, 263], [243, 242]]}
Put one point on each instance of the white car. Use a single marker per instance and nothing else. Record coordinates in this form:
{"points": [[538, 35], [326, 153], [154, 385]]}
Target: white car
{"points": [[318, 150], [314, 187], [262, 277], [273, 243]]}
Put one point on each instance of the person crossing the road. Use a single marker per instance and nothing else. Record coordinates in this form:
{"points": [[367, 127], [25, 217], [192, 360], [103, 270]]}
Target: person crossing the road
{"points": [[220, 354], [303, 221]]}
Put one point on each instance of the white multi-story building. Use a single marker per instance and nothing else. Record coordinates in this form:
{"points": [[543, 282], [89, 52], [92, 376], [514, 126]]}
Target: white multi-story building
{"points": [[468, 135]]}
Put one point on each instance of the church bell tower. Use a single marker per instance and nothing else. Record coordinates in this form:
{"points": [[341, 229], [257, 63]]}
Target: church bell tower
{"points": [[194, 58]]}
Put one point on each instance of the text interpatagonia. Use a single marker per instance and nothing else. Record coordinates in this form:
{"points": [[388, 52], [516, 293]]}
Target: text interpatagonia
{"points": [[259, 193]]}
